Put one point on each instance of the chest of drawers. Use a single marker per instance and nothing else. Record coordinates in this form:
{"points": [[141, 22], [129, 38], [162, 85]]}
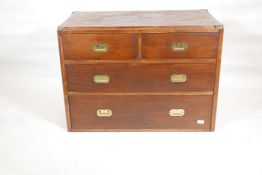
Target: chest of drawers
{"points": [[140, 71]]}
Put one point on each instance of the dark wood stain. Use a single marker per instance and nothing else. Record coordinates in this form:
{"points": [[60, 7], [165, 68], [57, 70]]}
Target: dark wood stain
{"points": [[79, 46], [200, 45], [140, 78], [140, 62], [171, 19], [140, 112]]}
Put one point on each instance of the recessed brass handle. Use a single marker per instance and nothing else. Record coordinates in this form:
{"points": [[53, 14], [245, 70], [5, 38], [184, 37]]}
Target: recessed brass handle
{"points": [[104, 112], [101, 79], [100, 47], [178, 78], [179, 46], [177, 112]]}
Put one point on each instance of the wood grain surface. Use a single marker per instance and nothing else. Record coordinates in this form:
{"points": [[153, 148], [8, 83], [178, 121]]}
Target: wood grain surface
{"points": [[140, 112], [120, 46], [140, 77], [168, 18], [139, 62], [217, 75], [200, 45]]}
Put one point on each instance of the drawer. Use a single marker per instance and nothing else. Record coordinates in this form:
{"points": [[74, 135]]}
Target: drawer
{"points": [[179, 45], [140, 77], [99, 46], [140, 112]]}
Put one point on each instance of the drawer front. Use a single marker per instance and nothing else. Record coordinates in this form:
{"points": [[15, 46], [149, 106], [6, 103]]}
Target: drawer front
{"points": [[100, 46], [140, 112], [140, 77], [180, 46]]}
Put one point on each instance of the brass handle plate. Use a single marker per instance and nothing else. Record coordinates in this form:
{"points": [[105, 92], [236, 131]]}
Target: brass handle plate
{"points": [[101, 79], [100, 47], [177, 112], [179, 46], [104, 112], [178, 78]]}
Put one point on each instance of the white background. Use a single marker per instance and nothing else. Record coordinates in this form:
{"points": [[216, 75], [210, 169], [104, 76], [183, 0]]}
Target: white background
{"points": [[33, 136]]}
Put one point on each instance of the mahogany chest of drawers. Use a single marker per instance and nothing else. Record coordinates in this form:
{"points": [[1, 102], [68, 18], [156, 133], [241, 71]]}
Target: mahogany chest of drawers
{"points": [[141, 71]]}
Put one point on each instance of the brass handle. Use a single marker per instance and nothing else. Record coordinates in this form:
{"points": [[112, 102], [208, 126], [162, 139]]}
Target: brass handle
{"points": [[178, 78], [104, 112], [179, 46], [177, 112], [101, 79], [100, 47]]}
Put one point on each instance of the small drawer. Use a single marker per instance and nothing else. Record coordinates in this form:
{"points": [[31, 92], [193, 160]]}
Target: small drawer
{"points": [[140, 77], [179, 45], [140, 112], [99, 46]]}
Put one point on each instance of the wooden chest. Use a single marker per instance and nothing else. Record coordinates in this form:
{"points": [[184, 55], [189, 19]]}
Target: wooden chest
{"points": [[141, 71]]}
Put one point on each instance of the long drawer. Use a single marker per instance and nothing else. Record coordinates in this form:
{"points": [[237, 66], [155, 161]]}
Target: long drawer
{"points": [[140, 77], [140, 112]]}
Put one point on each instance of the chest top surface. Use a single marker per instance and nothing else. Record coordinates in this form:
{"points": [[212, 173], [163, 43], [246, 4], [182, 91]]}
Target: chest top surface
{"points": [[141, 19]]}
